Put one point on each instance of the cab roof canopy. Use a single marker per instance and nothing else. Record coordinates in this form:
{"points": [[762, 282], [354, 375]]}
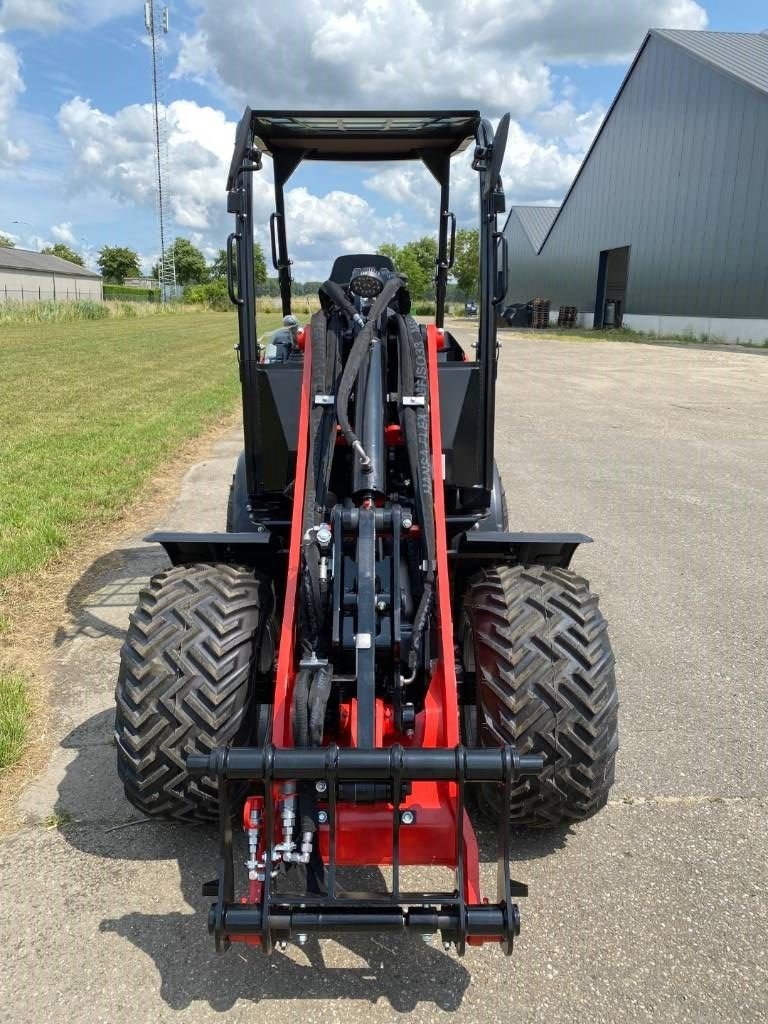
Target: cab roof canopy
{"points": [[365, 134], [292, 136]]}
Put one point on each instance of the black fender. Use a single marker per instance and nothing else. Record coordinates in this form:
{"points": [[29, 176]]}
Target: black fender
{"points": [[471, 550], [483, 546], [262, 550]]}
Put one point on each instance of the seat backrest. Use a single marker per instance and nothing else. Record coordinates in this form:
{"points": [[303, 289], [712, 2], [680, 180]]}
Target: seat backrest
{"points": [[344, 265]]}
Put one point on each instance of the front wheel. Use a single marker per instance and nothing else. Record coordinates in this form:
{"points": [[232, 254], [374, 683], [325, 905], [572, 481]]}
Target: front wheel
{"points": [[535, 645], [195, 674]]}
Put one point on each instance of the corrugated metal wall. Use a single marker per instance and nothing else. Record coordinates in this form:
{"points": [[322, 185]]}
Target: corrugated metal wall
{"points": [[30, 286], [680, 174]]}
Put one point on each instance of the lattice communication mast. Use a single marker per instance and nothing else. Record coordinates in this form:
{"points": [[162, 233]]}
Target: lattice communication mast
{"points": [[156, 21]]}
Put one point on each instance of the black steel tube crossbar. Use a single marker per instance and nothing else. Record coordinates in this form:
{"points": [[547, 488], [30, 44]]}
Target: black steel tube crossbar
{"points": [[486, 920], [471, 764]]}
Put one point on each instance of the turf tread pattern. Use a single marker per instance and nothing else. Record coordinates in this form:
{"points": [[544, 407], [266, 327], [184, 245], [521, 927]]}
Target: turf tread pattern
{"points": [[186, 680], [545, 681]]}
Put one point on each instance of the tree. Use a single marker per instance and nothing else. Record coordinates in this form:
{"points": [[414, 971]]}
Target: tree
{"points": [[417, 261], [389, 249], [6, 242], [64, 253], [117, 262], [466, 266], [424, 252], [259, 266], [218, 269], [190, 263]]}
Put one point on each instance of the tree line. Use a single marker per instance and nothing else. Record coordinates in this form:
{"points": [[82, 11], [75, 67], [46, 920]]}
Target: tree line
{"points": [[416, 259]]}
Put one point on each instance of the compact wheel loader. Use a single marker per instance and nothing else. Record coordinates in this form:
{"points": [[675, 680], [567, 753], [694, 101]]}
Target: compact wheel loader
{"points": [[368, 645]]}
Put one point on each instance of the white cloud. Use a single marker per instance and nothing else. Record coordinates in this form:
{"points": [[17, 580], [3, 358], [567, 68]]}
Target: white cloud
{"points": [[63, 233], [534, 170], [116, 152], [564, 123], [11, 84], [414, 52], [50, 15]]}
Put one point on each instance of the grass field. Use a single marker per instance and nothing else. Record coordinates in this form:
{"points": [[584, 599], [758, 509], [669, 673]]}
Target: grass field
{"points": [[87, 411]]}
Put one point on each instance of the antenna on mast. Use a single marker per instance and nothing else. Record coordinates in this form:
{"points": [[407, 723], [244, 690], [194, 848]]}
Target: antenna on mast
{"points": [[156, 22]]}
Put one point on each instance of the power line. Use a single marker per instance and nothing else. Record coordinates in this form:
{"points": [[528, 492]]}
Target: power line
{"points": [[156, 22]]}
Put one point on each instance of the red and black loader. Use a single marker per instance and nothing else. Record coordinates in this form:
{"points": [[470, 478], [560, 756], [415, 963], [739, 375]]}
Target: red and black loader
{"points": [[367, 643]]}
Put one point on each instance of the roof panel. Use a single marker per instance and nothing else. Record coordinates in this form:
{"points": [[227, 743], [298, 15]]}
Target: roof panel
{"points": [[536, 222], [25, 259], [741, 54], [365, 134]]}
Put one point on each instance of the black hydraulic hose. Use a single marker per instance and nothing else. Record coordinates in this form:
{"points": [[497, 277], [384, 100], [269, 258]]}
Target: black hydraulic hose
{"points": [[355, 361], [416, 427], [301, 708], [338, 296], [319, 692]]}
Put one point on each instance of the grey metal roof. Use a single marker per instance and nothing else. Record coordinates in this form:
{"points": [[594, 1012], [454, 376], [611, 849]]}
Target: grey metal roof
{"points": [[25, 259], [741, 54], [536, 221]]}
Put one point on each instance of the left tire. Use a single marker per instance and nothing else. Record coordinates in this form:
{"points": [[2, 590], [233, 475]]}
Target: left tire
{"points": [[195, 667]]}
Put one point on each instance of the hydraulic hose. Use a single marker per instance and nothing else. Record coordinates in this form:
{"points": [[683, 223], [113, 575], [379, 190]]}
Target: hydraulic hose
{"points": [[301, 708], [338, 296], [319, 693], [355, 360], [313, 604], [415, 420]]}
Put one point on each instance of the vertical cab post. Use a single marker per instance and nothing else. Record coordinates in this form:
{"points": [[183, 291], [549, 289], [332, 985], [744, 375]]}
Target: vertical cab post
{"points": [[245, 162], [439, 165], [284, 165], [487, 162]]}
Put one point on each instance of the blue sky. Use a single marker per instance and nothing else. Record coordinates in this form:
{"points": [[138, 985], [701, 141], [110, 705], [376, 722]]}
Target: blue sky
{"points": [[75, 131]]}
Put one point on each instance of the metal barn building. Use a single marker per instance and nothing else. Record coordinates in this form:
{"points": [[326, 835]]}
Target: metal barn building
{"points": [[27, 276], [665, 226]]}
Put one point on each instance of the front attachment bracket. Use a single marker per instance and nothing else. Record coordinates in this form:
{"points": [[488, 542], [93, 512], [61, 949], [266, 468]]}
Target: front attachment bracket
{"points": [[280, 916]]}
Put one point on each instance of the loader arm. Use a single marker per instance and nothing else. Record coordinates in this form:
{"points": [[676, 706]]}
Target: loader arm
{"points": [[397, 798]]}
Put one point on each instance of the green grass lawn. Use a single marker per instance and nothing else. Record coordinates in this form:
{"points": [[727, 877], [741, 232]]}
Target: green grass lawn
{"points": [[87, 411]]}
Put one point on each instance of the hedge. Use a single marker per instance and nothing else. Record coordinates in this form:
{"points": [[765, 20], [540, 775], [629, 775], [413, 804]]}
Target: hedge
{"points": [[122, 291]]}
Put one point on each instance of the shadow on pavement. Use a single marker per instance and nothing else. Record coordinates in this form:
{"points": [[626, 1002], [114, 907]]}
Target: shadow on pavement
{"points": [[179, 943], [100, 599]]}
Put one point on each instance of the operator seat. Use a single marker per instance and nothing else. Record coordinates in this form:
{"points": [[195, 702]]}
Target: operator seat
{"points": [[341, 272]]}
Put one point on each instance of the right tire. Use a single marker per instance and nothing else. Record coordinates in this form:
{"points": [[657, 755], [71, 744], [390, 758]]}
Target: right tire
{"points": [[195, 674], [536, 645]]}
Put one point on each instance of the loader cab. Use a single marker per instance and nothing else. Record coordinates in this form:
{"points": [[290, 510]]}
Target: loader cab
{"points": [[467, 378]]}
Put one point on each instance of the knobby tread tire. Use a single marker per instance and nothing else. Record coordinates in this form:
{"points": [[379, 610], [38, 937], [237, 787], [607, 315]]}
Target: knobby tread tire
{"points": [[544, 680], [199, 639]]}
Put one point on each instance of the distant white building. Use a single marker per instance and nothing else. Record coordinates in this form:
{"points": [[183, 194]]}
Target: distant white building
{"points": [[27, 276], [141, 282]]}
